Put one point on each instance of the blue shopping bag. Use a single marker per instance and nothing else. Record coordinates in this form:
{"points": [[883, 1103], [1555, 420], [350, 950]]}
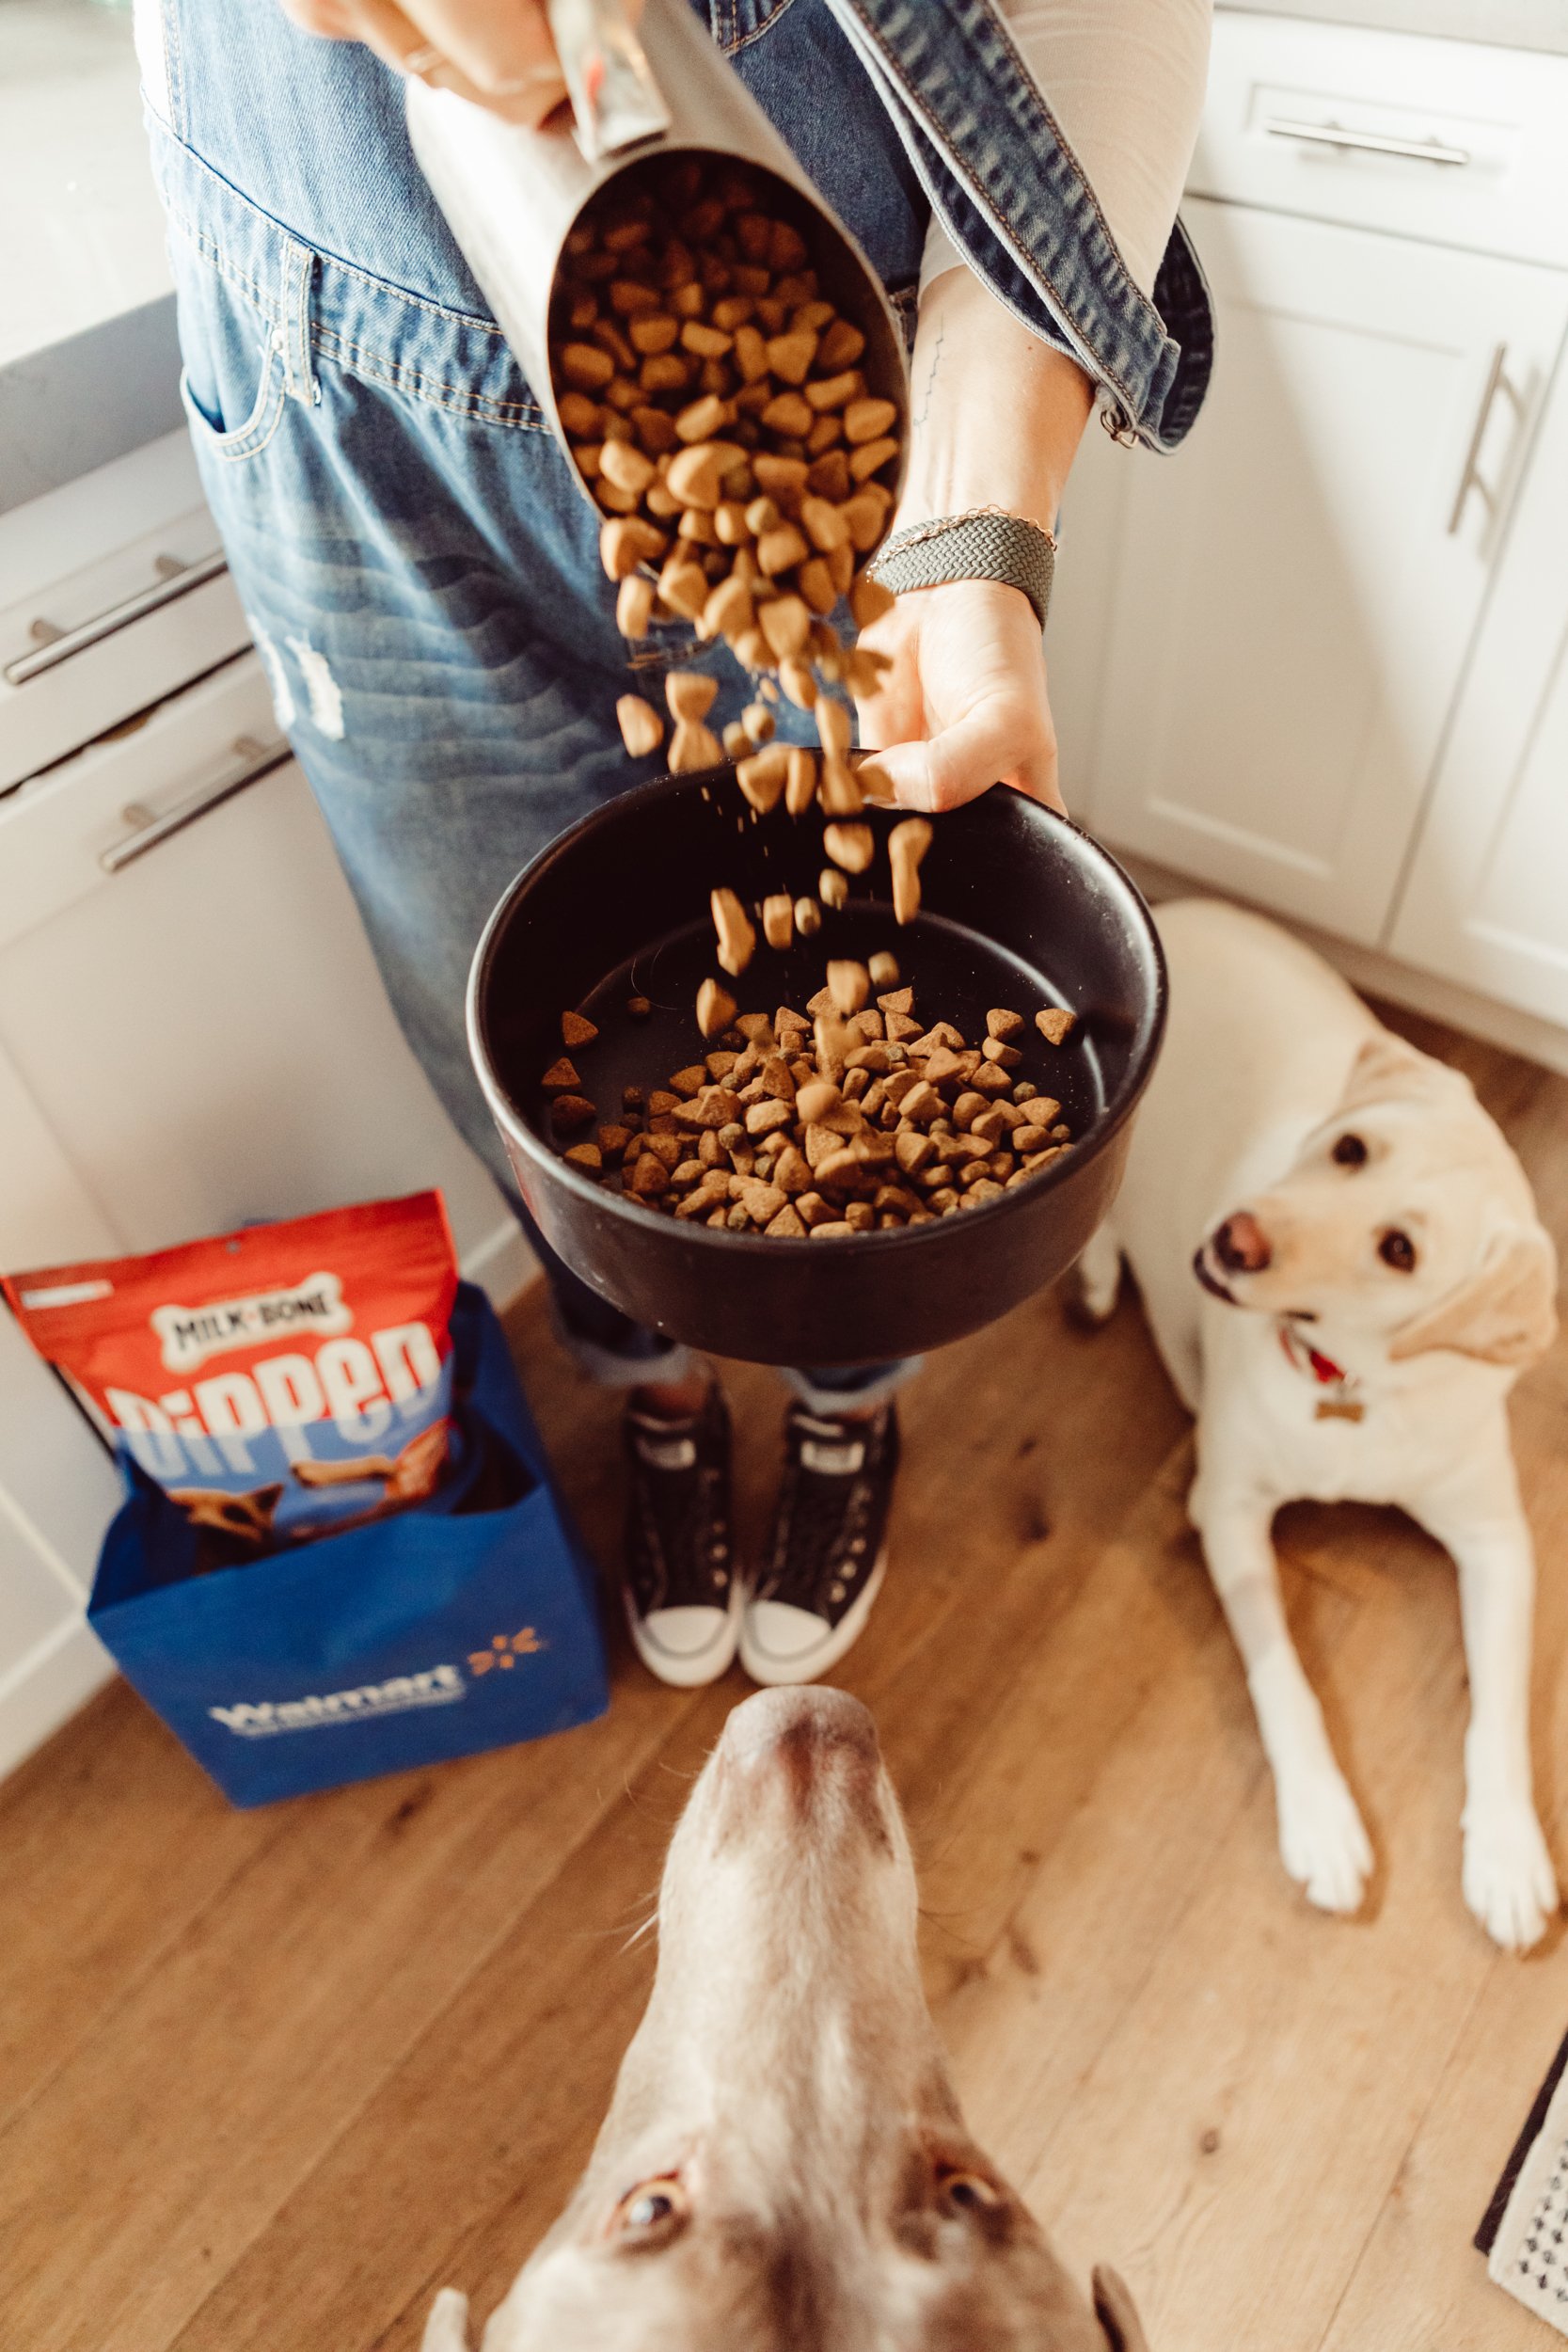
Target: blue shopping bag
{"points": [[463, 1623]]}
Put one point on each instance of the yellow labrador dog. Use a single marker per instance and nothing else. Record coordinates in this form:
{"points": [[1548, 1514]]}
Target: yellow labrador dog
{"points": [[1345, 1272], [783, 2167]]}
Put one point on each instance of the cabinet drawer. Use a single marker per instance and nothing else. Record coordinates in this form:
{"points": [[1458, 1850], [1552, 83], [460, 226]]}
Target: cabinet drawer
{"points": [[64, 835], [113, 593], [1448, 141], [189, 1011]]}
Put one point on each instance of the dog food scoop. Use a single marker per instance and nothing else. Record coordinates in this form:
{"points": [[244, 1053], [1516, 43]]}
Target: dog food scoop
{"points": [[513, 196]]}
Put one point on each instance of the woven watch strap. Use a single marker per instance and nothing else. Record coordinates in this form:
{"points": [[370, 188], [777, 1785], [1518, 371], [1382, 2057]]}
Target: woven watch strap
{"points": [[983, 545]]}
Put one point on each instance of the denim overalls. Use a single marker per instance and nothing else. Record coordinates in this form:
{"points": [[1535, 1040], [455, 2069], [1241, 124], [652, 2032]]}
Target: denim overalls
{"points": [[419, 572]]}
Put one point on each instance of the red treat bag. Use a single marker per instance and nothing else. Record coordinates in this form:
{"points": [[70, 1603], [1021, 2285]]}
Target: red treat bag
{"points": [[281, 1382]]}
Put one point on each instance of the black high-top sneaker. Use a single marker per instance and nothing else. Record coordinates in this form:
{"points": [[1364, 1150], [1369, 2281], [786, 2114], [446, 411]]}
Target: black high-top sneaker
{"points": [[682, 1600], [829, 1544]]}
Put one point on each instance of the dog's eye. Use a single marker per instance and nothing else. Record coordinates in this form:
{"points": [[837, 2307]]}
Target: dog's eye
{"points": [[968, 2192], [651, 2212], [1397, 1250], [1350, 1151]]}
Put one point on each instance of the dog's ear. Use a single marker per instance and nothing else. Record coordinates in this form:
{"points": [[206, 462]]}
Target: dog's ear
{"points": [[1386, 1069], [1505, 1313], [1113, 2307], [447, 2328]]}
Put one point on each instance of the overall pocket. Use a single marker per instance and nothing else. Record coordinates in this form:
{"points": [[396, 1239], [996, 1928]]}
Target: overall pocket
{"points": [[232, 382]]}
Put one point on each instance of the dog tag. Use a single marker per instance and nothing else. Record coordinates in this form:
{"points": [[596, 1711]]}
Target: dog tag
{"points": [[1338, 1409]]}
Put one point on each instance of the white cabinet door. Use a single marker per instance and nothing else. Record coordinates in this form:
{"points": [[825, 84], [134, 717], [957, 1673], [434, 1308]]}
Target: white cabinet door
{"points": [[1293, 593], [1486, 904], [202, 1033]]}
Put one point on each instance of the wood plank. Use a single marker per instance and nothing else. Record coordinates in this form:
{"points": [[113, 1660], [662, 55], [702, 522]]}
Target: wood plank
{"points": [[1418, 2281], [273, 2078]]}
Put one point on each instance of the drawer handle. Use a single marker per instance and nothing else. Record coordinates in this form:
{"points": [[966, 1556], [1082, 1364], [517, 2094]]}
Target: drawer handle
{"points": [[58, 644], [253, 761], [1497, 381], [1369, 142]]}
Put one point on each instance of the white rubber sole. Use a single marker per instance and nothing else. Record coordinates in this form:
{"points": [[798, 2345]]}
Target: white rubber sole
{"points": [[689, 1670], [775, 1672]]}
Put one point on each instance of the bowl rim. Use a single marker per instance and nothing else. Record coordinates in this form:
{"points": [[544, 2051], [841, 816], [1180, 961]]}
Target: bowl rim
{"points": [[511, 1123]]}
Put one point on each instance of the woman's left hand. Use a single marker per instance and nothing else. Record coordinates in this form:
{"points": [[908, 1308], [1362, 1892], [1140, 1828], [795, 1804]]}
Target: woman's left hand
{"points": [[965, 704]]}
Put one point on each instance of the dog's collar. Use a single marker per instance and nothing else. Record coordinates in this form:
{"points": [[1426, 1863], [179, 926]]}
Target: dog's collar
{"points": [[1341, 1398]]}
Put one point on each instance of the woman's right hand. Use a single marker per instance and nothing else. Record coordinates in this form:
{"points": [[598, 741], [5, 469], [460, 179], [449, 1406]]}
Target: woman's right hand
{"points": [[498, 53]]}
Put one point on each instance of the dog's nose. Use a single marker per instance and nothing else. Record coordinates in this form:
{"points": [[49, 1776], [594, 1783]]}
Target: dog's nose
{"points": [[807, 1714], [1241, 1244]]}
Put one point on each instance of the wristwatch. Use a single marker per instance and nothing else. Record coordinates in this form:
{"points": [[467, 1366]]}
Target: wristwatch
{"points": [[984, 544]]}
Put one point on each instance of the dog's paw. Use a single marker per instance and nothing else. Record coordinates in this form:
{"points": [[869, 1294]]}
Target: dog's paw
{"points": [[1509, 1881], [1324, 1846]]}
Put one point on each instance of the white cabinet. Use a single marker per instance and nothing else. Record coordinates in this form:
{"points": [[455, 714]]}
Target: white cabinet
{"points": [[1486, 904], [201, 1030], [1319, 656], [1292, 592], [113, 592], [190, 1037]]}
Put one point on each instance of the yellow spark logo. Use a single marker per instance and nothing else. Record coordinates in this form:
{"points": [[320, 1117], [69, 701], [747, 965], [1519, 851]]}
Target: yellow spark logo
{"points": [[504, 1651]]}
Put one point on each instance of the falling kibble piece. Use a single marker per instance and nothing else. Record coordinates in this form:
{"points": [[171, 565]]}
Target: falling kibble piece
{"points": [[869, 600], [637, 1009], [853, 847], [849, 985], [762, 777], [641, 728], [692, 748], [883, 969], [634, 605], [1056, 1024], [840, 794], [801, 784], [560, 1077], [808, 917], [715, 1009], [625, 541], [690, 694], [577, 1029], [832, 888], [778, 920], [906, 845], [737, 937]]}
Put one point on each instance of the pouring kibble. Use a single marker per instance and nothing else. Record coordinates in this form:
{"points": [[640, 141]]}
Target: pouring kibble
{"points": [[716, 407]]}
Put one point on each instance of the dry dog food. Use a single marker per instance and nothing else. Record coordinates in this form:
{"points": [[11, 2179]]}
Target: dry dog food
{"points": [[851, 1117], [716, 405], [284, 1381]]}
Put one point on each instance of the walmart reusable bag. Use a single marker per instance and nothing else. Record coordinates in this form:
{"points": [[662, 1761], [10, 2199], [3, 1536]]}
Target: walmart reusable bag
{"points": [[463, 1622]]}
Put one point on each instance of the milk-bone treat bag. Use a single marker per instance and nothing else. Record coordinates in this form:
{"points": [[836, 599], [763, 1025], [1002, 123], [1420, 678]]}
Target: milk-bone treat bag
{"points": [[279, 1383]]}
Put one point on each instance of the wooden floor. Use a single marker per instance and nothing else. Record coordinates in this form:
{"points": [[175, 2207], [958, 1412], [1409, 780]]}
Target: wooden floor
{"points": [[266, 2081]]}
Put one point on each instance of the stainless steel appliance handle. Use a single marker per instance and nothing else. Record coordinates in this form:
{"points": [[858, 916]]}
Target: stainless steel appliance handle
{"points": [[1471, 478], [251, 762], [59, 644], [1370, 142]]}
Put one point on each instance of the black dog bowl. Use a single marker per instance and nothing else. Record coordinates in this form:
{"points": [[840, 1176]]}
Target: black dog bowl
{"points": [[1020, 908]]}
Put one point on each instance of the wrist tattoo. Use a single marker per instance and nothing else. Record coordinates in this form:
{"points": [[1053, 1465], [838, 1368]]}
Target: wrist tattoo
{"points": [[923, 407]]}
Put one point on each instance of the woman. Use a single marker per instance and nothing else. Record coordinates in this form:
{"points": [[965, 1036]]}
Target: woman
{"points": [[421, 574]]}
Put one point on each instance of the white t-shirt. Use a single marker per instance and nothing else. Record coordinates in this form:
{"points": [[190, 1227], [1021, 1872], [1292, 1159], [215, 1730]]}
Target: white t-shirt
{"points": [[1124, 80]]}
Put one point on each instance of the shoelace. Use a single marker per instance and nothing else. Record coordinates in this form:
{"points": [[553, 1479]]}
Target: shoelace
{"points": [[821, 1518], [682, 1525]]}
